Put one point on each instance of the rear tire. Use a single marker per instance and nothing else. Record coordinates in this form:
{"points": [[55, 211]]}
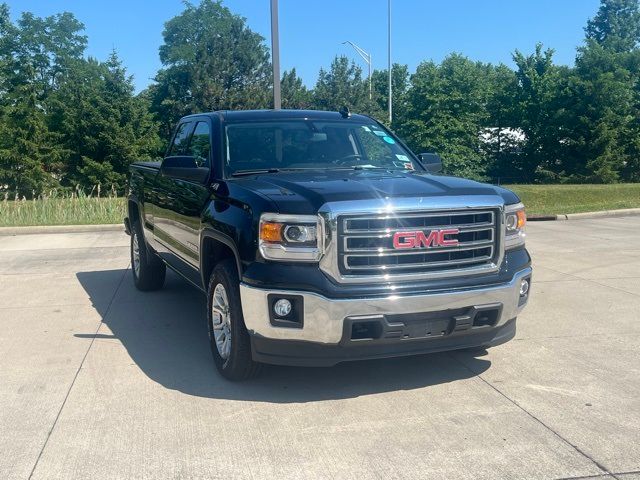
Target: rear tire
{"points": [[148, 270], [228, 336]]}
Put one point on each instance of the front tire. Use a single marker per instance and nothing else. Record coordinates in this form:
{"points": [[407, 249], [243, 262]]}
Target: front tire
{"points": [[228, 336], [148, 270]]}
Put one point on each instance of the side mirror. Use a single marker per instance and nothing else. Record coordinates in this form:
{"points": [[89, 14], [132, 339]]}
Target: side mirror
{"points": [[431, 161]]}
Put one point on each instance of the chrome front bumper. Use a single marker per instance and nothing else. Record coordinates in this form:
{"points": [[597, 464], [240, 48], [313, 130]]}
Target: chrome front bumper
{"points": [[324, 317]]}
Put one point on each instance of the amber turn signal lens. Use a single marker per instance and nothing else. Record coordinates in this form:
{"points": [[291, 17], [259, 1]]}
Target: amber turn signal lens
{"points": [[271, 232], [522, 218]]}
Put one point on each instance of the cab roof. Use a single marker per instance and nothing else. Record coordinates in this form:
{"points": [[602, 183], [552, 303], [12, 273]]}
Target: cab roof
{"points": [[257, 115]]}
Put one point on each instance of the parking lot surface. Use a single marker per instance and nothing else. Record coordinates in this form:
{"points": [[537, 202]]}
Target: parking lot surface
{"points": [[98, 380]]}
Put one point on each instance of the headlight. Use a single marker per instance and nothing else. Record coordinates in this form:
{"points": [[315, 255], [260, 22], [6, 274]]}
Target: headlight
{"points": [[290, 238], [514, 221]]}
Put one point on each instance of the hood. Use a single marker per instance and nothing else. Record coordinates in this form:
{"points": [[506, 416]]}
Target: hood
{"points": [[305, 192]]}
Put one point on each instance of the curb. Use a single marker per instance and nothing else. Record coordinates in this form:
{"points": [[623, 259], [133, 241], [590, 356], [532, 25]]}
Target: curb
{"points": [[7, 231], [586, 215]]}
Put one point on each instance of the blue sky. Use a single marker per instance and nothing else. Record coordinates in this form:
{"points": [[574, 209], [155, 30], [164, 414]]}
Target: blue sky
{"points": [[311, 32]]}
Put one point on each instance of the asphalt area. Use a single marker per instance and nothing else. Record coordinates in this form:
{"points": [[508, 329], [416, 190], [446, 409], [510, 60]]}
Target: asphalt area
{"points": [[98, 380]]}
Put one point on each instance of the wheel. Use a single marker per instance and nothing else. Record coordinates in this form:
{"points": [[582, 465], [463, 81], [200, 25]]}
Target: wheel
{"points": [[228, 336], [148, 270]]}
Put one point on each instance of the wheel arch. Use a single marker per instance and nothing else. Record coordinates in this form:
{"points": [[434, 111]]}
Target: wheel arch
{"points": [[214, 247], [133, 210]]}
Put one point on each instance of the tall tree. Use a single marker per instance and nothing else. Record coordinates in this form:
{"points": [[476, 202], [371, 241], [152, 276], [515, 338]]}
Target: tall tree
{"points": [[47, 46], [601, 130], [603, 142], [447, 111], [342, 85], [29, 156], [400, 86], [616, 26], [34, 54], [103, 126], [294, 93], [211, 61], [539, 82], [502, 140]]}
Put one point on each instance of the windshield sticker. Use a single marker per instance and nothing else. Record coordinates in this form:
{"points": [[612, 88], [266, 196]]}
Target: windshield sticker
{"points": [[404, 158], [365, 128], [389, 140], [409, 166]]}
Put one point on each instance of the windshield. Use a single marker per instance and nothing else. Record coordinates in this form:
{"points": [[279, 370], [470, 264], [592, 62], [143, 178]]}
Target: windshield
{"points": [[307, 144]]}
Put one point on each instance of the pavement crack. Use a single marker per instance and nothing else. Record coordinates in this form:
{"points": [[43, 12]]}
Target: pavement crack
{"points": [[604, 475], [588, 477], [595, 280], [75, 377], [605, 470]]}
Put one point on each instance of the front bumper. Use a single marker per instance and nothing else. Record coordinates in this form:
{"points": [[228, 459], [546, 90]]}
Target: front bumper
{"points": [[399, 324]]}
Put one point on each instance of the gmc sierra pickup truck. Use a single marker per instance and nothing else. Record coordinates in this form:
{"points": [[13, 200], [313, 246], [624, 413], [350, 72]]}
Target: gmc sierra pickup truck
{"points": [[319, 237]]}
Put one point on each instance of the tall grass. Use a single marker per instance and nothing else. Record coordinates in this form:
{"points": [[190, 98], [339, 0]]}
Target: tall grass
{"points": [[559, 199], [77, 208], [80, 208]]}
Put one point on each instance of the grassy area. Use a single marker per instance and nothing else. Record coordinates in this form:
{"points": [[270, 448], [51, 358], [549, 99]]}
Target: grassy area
{"points": [[539, 200], [75, 210], [558, 199]]}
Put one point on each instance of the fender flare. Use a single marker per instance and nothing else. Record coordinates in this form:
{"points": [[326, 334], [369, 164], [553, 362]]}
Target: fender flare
{"points": [[134, 198], [224, 239]]}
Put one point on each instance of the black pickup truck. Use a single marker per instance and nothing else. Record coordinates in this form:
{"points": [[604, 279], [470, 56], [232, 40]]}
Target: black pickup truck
{"points": [[319, 237]]}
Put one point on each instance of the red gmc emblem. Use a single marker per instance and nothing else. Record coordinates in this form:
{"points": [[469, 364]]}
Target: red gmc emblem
{"points": [[418, 239]]}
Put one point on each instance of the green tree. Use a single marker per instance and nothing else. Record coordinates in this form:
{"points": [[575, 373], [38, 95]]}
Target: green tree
{"points": [[34, 54], [601, 116], [502, 139], [103, 126], [602, 144], [616, 26], [46, 46], [630, 171], [342, 85], [294, 93], [400, 86], [211, 61], [28, 153], [447, 111], [537, 103]]}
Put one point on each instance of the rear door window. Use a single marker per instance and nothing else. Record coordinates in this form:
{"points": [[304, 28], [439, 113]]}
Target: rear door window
{"points": [[179, 144], [200, 144]]}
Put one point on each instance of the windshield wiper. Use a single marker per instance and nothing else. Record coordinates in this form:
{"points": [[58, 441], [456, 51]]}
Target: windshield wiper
{"points": [[356, 167], [242, 173]]}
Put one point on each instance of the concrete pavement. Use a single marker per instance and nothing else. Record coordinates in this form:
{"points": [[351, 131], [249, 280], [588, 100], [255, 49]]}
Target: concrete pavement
{"points": [[98, 380]]}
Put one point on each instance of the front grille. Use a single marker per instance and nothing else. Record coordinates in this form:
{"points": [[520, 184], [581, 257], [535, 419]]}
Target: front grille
{"points": [[365, 245]]}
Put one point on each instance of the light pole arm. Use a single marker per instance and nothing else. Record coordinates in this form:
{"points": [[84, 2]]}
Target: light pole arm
{"points": [[365, 56]]}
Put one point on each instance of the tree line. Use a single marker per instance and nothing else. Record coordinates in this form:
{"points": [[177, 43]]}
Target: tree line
{"points": [[68, 121]]}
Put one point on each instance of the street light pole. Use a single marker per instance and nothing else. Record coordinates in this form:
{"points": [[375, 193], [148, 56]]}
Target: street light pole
{"points": [[275, 52], [389, 60], [366, 57]]}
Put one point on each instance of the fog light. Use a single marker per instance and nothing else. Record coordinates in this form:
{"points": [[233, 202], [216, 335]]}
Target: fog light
{"points": [[282, 307], [524, 287]]}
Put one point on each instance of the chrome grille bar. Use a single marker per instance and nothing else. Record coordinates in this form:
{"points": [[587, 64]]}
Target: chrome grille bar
{"points": [[469, 227], [355, 252], [403, 266]]}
